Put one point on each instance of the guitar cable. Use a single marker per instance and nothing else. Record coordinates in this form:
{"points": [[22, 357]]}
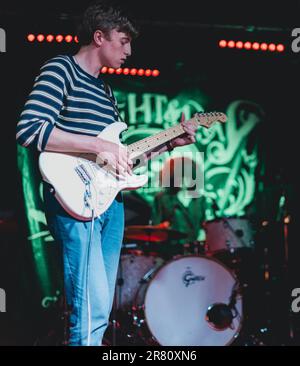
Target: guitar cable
{"points": [[88, 276]]}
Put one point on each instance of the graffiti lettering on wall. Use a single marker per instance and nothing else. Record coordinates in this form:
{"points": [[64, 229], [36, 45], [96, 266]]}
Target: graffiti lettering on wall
{"points": [[229, 166]]}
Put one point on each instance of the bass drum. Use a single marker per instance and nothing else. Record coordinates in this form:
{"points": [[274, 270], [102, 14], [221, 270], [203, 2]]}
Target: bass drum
{"points": [[183, 304]]}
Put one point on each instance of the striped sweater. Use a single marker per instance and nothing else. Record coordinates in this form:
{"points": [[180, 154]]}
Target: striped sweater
{"points": [[67, 97]]}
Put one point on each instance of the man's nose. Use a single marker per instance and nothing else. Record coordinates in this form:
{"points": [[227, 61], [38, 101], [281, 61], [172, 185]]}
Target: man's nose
{"points": [[128, 51]]}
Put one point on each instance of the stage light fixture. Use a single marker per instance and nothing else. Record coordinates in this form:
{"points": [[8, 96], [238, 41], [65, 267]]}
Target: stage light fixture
{"points": [[254, 45], [59, 38], [31, 37], [127, 71], [40, 37], [50, 38], [68, 38]]}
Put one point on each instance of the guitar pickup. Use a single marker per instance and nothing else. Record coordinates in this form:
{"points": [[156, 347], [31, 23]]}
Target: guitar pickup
{"points": [[83, 174]]}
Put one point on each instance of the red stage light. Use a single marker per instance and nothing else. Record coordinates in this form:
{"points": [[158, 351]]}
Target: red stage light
{"points": [[127, 71], [50, 38], [59, 38], [272, 47], [40, 37], [264, 47], [222, 43], [280, 47], [76, 39], [31, 37], [68, 38], [251, 45]]}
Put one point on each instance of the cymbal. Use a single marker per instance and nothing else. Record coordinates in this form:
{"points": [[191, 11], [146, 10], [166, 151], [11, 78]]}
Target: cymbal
{"points": [[152, 233]]}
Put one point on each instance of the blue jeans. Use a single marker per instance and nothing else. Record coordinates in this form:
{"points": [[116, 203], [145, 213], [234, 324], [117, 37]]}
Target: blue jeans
{"points": [[91, 302]]}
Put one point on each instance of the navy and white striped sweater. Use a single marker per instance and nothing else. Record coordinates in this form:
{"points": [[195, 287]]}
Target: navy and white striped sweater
{"points": [[67, 97]]}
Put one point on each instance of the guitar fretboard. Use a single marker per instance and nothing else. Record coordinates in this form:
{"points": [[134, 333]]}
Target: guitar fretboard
{"points": [[149, 143]]}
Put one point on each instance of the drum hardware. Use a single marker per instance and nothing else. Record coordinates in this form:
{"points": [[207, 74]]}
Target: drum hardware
{"points": [[129, 246], [220, 316], [152, 233], [196, 247], [238, 233]]}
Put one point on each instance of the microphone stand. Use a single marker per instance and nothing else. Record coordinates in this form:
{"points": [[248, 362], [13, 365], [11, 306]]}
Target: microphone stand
{"points": [[284, 218]]}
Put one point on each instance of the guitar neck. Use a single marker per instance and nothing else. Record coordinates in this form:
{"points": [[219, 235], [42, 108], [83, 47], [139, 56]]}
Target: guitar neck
{"points": [[149, 143]]}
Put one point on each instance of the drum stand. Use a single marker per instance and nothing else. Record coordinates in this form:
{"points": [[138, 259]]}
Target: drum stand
{"points": [[116, 304], [284, 217]]}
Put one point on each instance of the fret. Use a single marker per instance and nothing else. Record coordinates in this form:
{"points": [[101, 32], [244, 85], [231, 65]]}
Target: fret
{"points": [[149, 143]]}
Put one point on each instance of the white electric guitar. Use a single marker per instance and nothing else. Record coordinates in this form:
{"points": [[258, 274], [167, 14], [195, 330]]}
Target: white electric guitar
{"points": [[86, 188]]}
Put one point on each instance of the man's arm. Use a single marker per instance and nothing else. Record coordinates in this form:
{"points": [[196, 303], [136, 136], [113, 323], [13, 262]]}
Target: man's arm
{"points": [[37, 124], [42, 107], [62, 141]]}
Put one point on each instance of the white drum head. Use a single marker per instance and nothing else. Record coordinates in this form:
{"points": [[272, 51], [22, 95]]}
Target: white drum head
{"points": [[179, 296]]}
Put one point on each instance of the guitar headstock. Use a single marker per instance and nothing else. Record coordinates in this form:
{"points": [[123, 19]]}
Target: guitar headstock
{"points": [[208, 119]]}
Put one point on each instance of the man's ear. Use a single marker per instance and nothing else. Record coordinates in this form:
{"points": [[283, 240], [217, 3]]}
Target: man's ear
{"points": [[98, 37]]}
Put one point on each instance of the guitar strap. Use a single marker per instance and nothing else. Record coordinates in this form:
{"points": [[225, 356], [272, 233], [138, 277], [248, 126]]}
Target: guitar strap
{"points": [[109, 95]]}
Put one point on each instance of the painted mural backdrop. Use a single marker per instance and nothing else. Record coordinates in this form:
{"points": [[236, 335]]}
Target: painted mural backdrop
{"points": [[228, 158]]}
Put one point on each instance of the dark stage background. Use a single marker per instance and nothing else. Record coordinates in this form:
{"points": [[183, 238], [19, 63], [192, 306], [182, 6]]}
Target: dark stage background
{"points": [[181, 40]]}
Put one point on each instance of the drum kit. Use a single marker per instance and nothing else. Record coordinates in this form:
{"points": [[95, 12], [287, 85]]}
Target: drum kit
{"points": [[188, 294]]}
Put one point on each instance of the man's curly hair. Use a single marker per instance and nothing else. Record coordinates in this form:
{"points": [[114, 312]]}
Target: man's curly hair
{"points": [[102, 15]]}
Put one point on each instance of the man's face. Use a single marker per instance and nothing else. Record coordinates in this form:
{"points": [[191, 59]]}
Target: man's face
{"points": [[115, 49]]}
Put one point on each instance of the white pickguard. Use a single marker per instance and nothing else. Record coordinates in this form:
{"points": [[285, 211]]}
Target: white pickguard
{"points": [[67, 174]]}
